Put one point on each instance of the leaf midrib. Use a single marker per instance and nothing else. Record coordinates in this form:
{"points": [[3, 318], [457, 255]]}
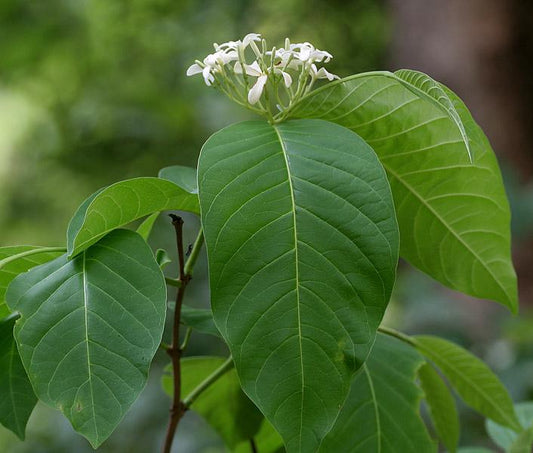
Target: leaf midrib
{"points": [[297, 278], [86, 320]]}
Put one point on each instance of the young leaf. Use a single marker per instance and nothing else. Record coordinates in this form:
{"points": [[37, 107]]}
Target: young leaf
{"points": [[505, 437], [381, 413], [302, 245], [184, 177], [441, 406], [225, 407], [475, 383], [162, 258], [453, 213], [89, 328], [18, 259], [122, 203], [145, 228], [17, 399]]}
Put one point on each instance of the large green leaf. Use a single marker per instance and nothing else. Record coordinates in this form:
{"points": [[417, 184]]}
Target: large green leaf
{"points": [[441, 406], [381, 413], [475, 383], [302, 245], [223, 404], [16, 260], [453, 213], [505, 437], [122, 203], [17, 399], [89, 328]]}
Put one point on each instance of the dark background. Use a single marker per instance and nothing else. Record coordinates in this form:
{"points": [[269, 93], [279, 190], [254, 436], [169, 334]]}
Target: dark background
{"points": [[94, 91]]}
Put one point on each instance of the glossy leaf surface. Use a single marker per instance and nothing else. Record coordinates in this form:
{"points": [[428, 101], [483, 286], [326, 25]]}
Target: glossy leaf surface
{"points": [[453, 213], [17, 398], [381, 413], [475, 383], [122, 203], [441, 406], [89, 328], [19, 261], [302, 245], [224, 405]]}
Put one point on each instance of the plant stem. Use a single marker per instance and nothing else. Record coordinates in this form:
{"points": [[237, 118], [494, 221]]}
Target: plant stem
{"points": [[396, 334], [207, 382], [178, 408]]}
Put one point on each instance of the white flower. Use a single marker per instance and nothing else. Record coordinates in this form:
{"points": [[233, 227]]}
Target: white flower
{"points": [[253, 70], [211, 64], [238, 45], [308, 52], [322, 73]]}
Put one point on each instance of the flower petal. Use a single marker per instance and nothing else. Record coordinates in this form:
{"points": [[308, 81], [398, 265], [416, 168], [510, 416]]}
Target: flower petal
{"points": [[194, 69], [208, 77], [257, 90]]}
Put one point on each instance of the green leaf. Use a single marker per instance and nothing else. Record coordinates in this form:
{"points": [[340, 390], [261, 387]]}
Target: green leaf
{"points": [[523, 442], [505, 437], [225, 407], [302, 246], [200, 319], [424, 86], [441, 406], [162, 258], [17, 399], [89, 328], [145, 228], [474, 450], [453, 214], [184, 177], [18, 259], [381, 413], [267, 440], [122, 203], [475, 383]]}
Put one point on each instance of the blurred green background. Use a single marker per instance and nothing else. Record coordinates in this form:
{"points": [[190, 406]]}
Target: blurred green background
{"points": [[94, 91]]}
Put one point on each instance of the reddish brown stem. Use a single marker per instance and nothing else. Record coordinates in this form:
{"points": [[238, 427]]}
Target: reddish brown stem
{"points": [[177, 409]]}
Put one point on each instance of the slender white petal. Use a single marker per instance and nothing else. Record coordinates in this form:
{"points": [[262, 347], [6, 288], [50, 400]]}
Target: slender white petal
{"points": [[323, 74], [286, 78], [253, 69], [237, 69], [194, 69], [257, 90], [249, 38], [208, 77]]}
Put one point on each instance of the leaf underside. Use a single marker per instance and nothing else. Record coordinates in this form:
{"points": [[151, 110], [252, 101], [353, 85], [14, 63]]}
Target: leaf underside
{"points": [[453, 213], [381, 413], [302, 245], [89, 328]]}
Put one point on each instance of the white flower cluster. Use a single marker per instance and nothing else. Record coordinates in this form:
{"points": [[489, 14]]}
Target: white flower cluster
{"points": [[276, 78]]}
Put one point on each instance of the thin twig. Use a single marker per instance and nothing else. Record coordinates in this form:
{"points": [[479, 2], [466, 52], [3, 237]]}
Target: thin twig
{"points": [[174, 351]]}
